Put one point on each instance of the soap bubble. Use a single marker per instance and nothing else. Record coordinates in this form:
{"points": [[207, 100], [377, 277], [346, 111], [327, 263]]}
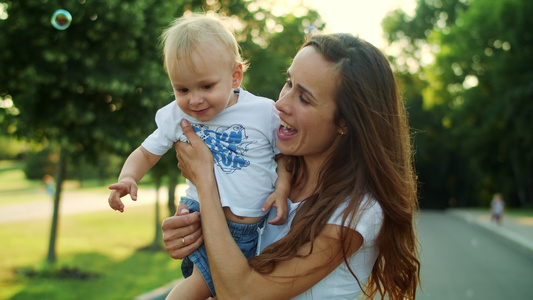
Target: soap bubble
{"points": [[61, 19], [311, 29]]}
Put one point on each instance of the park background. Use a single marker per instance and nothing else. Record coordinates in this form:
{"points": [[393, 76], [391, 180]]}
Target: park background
{"points": [[75, 102]]}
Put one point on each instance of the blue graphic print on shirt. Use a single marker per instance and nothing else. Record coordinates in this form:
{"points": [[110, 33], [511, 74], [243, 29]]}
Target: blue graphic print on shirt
{"points": [[228, 145]]}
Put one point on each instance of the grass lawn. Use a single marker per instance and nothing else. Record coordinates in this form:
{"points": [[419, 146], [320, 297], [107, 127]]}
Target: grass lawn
{"points": [[104, 245], [14, 188], [519, 212]]}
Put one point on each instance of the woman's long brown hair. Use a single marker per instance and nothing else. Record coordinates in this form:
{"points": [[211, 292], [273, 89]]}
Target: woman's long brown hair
{"points": [[374, 157]]}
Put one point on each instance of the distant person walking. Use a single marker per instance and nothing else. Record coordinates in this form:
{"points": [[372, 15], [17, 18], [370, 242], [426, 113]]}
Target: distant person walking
{"points": [[49, 183], [497, 205]]}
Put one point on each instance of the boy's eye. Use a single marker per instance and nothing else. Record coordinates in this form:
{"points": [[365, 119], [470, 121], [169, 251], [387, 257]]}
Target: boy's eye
{"points": [[183, 90], [208, 86]]}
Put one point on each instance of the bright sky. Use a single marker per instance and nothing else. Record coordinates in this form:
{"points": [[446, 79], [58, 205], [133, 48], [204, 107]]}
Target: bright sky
{"points": [[359, 17]]}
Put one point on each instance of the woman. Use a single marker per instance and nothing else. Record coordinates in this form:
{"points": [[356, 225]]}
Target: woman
{"points": [[353, 196]]}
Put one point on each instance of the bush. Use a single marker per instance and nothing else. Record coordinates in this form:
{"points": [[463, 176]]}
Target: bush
{"points": [[42, 163], [11, 148]]}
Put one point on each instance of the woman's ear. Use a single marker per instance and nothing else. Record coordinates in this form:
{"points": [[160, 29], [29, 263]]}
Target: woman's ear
{"points": [[342, 129], [237, 75]]}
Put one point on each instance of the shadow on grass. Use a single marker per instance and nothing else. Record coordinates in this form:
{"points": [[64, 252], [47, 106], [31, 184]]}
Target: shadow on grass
{"points": [[95, 276], [59, 273]]}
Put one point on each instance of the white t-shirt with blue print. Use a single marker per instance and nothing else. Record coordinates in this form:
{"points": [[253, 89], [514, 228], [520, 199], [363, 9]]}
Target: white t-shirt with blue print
{"points": [[242, 139]]}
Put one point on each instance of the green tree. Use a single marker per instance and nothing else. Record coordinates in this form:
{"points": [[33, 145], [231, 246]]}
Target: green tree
{"points": [[476, 87], [89, 89], [411, 48], [94, 87], [491, 77]]}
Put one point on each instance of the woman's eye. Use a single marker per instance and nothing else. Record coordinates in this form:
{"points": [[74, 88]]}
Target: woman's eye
{"points": [[288, 82], [302, 99]]}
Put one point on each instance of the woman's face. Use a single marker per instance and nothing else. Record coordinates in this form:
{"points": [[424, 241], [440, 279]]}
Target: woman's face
{"points": [[307, 107]]}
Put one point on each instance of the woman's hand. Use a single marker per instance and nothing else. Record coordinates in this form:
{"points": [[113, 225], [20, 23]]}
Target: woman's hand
{"points": [[182, 233], [194, 159]]}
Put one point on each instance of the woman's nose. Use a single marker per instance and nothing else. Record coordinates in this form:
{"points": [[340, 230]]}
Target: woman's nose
{"points": [[281, 104]]}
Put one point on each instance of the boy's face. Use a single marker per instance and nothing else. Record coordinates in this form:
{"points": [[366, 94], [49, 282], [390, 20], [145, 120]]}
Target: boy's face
{"points": [[204, 85]]}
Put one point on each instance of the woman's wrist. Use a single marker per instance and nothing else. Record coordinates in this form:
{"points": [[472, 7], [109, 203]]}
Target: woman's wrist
{"points": [[206, 180], [206, 183]]}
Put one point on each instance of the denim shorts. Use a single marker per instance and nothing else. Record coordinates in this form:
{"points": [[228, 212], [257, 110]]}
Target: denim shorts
{"points": [[245, 236]]}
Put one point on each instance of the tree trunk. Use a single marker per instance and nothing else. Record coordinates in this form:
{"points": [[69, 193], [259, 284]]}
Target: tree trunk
{"points": [[529, 184], [60, 177], [519, 178], [156, 244], [158, 236], [172, 183]]}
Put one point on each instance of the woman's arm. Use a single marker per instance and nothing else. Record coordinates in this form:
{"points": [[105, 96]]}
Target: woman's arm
{"points": [[232, 276]]}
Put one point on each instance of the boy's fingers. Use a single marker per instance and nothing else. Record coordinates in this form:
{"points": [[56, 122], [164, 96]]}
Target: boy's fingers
{"points": [[268, 204], [133, 193], [116, 204], [275, 221], [281, 217]]}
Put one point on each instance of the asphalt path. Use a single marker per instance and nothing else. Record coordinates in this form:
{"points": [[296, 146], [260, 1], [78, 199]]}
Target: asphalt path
{"points": [[79, 202], [461, 260]]}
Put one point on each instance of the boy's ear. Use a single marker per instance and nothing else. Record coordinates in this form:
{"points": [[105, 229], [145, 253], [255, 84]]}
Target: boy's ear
{"points": [[237, 75]]}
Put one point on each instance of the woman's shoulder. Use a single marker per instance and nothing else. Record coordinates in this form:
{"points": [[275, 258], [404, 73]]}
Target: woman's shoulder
{"points": [[368, 206], [371, 207], [367, 220]]}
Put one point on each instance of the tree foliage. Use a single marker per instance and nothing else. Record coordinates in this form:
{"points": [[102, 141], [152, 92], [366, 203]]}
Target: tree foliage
{"points": [[478, 87], [94, 88], [88, 87]]}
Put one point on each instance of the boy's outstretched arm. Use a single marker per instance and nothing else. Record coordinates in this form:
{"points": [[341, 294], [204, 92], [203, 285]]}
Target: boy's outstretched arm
{"points": [[136, 166], [278, 198]]}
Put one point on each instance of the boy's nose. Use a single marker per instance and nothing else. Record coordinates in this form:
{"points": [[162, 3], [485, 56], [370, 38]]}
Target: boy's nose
{"points": [[196, 98]]}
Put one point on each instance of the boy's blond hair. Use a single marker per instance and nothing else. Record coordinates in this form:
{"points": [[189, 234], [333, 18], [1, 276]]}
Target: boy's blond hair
{"points": [[187, 33]]}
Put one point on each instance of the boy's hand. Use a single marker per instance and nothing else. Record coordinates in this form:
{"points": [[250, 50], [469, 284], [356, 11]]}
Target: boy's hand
{"points": [[279, 201], [120, 190]]}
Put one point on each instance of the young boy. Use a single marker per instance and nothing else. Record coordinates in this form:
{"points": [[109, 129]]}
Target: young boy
{"points": [[205, 68]]}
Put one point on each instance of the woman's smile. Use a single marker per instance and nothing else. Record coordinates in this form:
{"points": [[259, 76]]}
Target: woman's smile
{"points": [[285, 131]]}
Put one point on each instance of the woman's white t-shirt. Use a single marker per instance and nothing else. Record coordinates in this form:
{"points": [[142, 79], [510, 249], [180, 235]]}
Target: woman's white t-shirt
{"points": [[339, 284]]}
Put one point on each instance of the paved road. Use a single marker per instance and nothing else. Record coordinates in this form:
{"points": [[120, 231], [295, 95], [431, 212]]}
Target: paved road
{"points": [[461, 260], [79, 202]]}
